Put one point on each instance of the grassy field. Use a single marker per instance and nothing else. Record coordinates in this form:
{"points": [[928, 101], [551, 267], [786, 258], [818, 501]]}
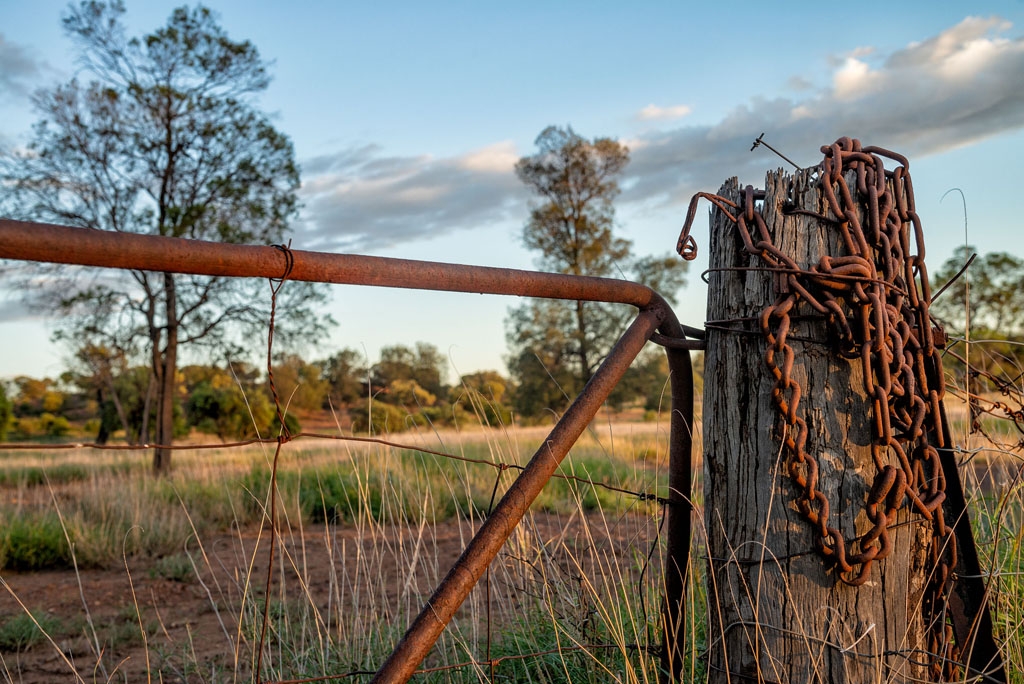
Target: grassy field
{"points": [[138, 577], [366, 532]]}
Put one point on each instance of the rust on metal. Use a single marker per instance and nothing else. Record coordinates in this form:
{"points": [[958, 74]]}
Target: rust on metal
{"points": [[498, 527], [680, 507], [761, 141], [60, 244], [876, 298]]}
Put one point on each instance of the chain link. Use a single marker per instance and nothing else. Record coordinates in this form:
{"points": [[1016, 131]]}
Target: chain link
{"points": [[875, 297]]}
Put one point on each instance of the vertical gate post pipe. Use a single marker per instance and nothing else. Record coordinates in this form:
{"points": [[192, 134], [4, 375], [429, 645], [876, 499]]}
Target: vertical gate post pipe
{"points": [[679, 505], [28, 241], [482, 549]]}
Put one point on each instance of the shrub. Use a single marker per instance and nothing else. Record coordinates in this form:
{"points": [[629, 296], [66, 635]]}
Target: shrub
{"points": [[177, 568], [379, 418], [54, 426], [337, 497], [21, 632], [6, 410], [34, 543]]}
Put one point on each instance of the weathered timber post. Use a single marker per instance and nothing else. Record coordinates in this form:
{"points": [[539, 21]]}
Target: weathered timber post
{"points": [[777, 610]]}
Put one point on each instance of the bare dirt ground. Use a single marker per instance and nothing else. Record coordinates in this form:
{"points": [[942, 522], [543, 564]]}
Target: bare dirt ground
{"points": [[191, 624]]}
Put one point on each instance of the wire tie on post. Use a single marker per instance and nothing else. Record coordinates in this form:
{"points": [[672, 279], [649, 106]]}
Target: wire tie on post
{"points": [[760, 141]]}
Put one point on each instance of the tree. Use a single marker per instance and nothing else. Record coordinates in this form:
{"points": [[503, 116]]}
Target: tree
{"points": [[996, 283], [647, 380], [996, 308], [410, 394], [424, 365], [5, 413], [299, 383], [540, 337], [482, 394], [489, 384], [232, 403], [97, 371], [571, 229], [345, 373], [166, 139], [36, 396]]}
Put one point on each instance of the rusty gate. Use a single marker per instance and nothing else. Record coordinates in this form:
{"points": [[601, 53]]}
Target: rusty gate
{"points": [[655, 320]]}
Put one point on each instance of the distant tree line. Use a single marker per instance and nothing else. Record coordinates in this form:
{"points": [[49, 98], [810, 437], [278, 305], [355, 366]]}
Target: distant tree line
{"points": [[162, 134], [102, 397], [984, 304]]}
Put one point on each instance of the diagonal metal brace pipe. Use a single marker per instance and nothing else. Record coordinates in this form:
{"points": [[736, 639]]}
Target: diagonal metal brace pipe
{"points": [[482, 549], [59, 244]]}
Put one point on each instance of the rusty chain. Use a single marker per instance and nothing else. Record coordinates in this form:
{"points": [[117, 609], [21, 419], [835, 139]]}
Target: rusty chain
{"points": [[875, 296]]}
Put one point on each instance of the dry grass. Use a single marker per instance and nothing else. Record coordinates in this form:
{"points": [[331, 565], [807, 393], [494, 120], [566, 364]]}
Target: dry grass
{"points": [[574, 581], [573, 584]]}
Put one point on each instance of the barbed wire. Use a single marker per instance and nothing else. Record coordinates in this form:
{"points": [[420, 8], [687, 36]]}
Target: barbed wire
{"points": [[489, 662], [992, 407], [498, 465]]}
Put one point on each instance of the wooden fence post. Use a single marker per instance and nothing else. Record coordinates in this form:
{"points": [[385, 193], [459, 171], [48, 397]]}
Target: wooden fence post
{"points": [[777, 612]]}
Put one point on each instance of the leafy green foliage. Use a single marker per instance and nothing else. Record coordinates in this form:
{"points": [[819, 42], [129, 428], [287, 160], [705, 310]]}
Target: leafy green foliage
{"points": [[994, 311], [483, 395], [379, 418], [164, 139], [996, 284], [647, 380], [35, 397], [232, 405], [33, 543], [409, 394], [345, 374], [339, 497], [6, 413], [300, 384], [424, 365], [21, 632], [555, 346], [45, 425]]}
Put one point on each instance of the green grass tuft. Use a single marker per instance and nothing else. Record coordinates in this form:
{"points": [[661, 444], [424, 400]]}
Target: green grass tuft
{"points": [[21, 632], [33, 543]]}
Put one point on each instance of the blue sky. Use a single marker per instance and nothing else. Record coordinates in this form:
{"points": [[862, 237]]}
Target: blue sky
{"points": [[408, 117]]}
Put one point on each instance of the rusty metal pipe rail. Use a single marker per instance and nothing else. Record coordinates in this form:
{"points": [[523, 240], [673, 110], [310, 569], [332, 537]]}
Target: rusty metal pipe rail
{"points": [[59, 244], [85, 247]]}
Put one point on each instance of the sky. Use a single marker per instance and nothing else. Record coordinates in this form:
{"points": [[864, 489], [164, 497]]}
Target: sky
{"points": [[408, 117]]}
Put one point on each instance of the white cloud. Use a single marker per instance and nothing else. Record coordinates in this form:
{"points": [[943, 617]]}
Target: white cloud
{"points": [[633, 144], [949, 90], [972, 58], [13, 310], [360, 199], [800, 112], [17, 69], [498, 158], [653, 112], [853, 79], [952, 89]]}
